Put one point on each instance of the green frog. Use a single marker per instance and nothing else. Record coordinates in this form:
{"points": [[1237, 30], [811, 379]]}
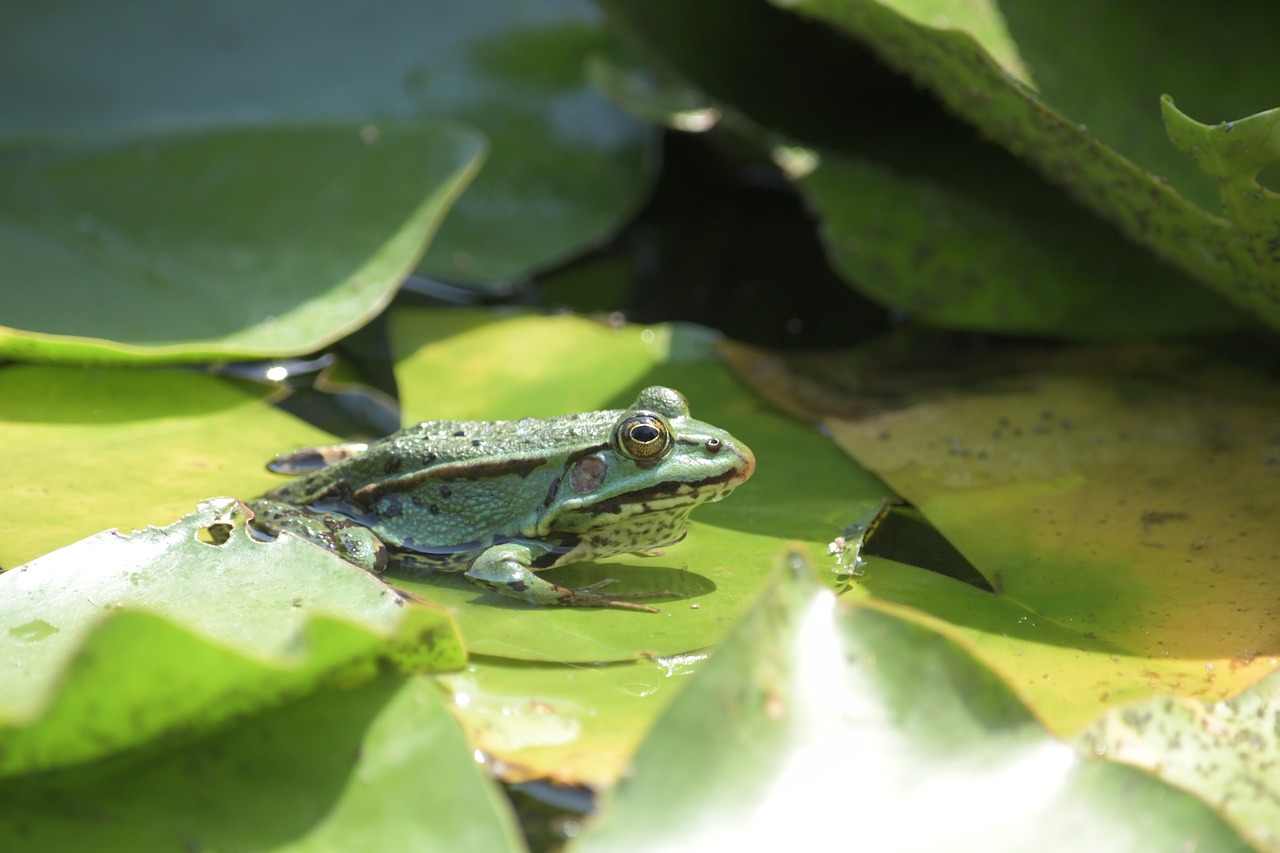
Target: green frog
{"points": [[500, 501]]}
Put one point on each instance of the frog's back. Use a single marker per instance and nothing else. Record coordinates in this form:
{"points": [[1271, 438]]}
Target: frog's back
{"points": [[446, 485]]}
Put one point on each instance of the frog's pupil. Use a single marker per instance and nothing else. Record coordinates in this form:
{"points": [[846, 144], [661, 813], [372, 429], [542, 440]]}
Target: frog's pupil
{"points": [[645, 433]]}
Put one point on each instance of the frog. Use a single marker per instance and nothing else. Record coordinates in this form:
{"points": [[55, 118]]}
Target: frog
{"points": [[501, 501]]}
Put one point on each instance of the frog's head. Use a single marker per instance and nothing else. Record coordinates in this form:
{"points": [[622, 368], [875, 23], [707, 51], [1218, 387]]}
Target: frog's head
{"points": [[658, 464]]}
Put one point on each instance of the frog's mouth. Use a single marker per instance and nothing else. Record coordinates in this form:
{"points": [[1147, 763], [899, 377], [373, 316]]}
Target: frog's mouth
{"points": [[675, 494]]}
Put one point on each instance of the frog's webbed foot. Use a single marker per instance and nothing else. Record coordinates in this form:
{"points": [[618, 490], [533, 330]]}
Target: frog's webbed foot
{"points": [[350, 541], [505, 569]]}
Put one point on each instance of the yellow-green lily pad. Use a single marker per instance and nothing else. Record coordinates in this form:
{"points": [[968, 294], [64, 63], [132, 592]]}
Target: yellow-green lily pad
{"points": [[574, 724], [88, 449], [1120, 502]]}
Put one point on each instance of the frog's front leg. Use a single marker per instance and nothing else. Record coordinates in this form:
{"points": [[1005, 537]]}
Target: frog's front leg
{"points": [[506, 569], [352, 542]]}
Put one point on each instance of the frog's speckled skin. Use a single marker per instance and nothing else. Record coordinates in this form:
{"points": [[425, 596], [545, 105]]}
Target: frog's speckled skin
{"points": [[500, 500]]}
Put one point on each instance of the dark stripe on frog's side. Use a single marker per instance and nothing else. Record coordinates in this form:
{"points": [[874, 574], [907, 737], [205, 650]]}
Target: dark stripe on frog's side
{"points": [[665, 489], [551, 492], [452, 471], [368, 494]]}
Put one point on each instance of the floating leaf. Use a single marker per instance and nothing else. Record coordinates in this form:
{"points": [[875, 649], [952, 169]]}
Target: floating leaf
{"points": [[1088, 119], [118, 640], [1223, 753], [1119, 501], [85, 449], [807, 684], [916, 212], [1234, 152], [231, 244], [571, 725], [381, 766], [566, 169]]}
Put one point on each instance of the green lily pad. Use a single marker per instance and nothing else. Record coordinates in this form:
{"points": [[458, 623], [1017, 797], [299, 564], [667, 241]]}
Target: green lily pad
{"points": [[378, 767], [1234, 152], [808, 683], [86, 449], [452, 365], [915, 211], [117, 640], [231, 244], [1075, 91], [566, 169]]}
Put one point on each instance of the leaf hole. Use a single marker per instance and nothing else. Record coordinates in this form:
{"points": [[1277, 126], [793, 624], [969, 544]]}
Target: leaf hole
{"points": [[218, 533]]}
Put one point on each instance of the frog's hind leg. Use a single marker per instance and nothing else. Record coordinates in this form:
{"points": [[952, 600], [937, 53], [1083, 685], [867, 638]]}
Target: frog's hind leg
{"points": [[506, 569], [350, 541]]}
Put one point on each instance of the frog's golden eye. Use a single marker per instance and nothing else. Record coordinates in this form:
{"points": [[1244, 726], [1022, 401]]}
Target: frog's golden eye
{"points": [[643, 437]]}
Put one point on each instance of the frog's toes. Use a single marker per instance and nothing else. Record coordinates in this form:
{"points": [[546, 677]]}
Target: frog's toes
{"points": [[352, 542], [589, 596]]}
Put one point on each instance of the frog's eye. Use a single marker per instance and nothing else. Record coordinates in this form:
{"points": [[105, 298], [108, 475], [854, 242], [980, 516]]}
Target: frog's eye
{"points": [[643, 437]]}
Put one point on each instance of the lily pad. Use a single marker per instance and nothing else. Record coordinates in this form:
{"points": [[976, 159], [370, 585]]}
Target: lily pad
{"points": [[568, 724], [916, 211], [1076, 93], [450, 365], [808, 683], [231, 244], [86, 449], [1223, 752], [1119, 501], [566, 170], [118, 640], [381, 766]]}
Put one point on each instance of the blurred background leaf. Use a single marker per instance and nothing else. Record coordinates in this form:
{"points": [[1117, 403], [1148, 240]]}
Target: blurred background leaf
{"points": [[232, 244]]}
